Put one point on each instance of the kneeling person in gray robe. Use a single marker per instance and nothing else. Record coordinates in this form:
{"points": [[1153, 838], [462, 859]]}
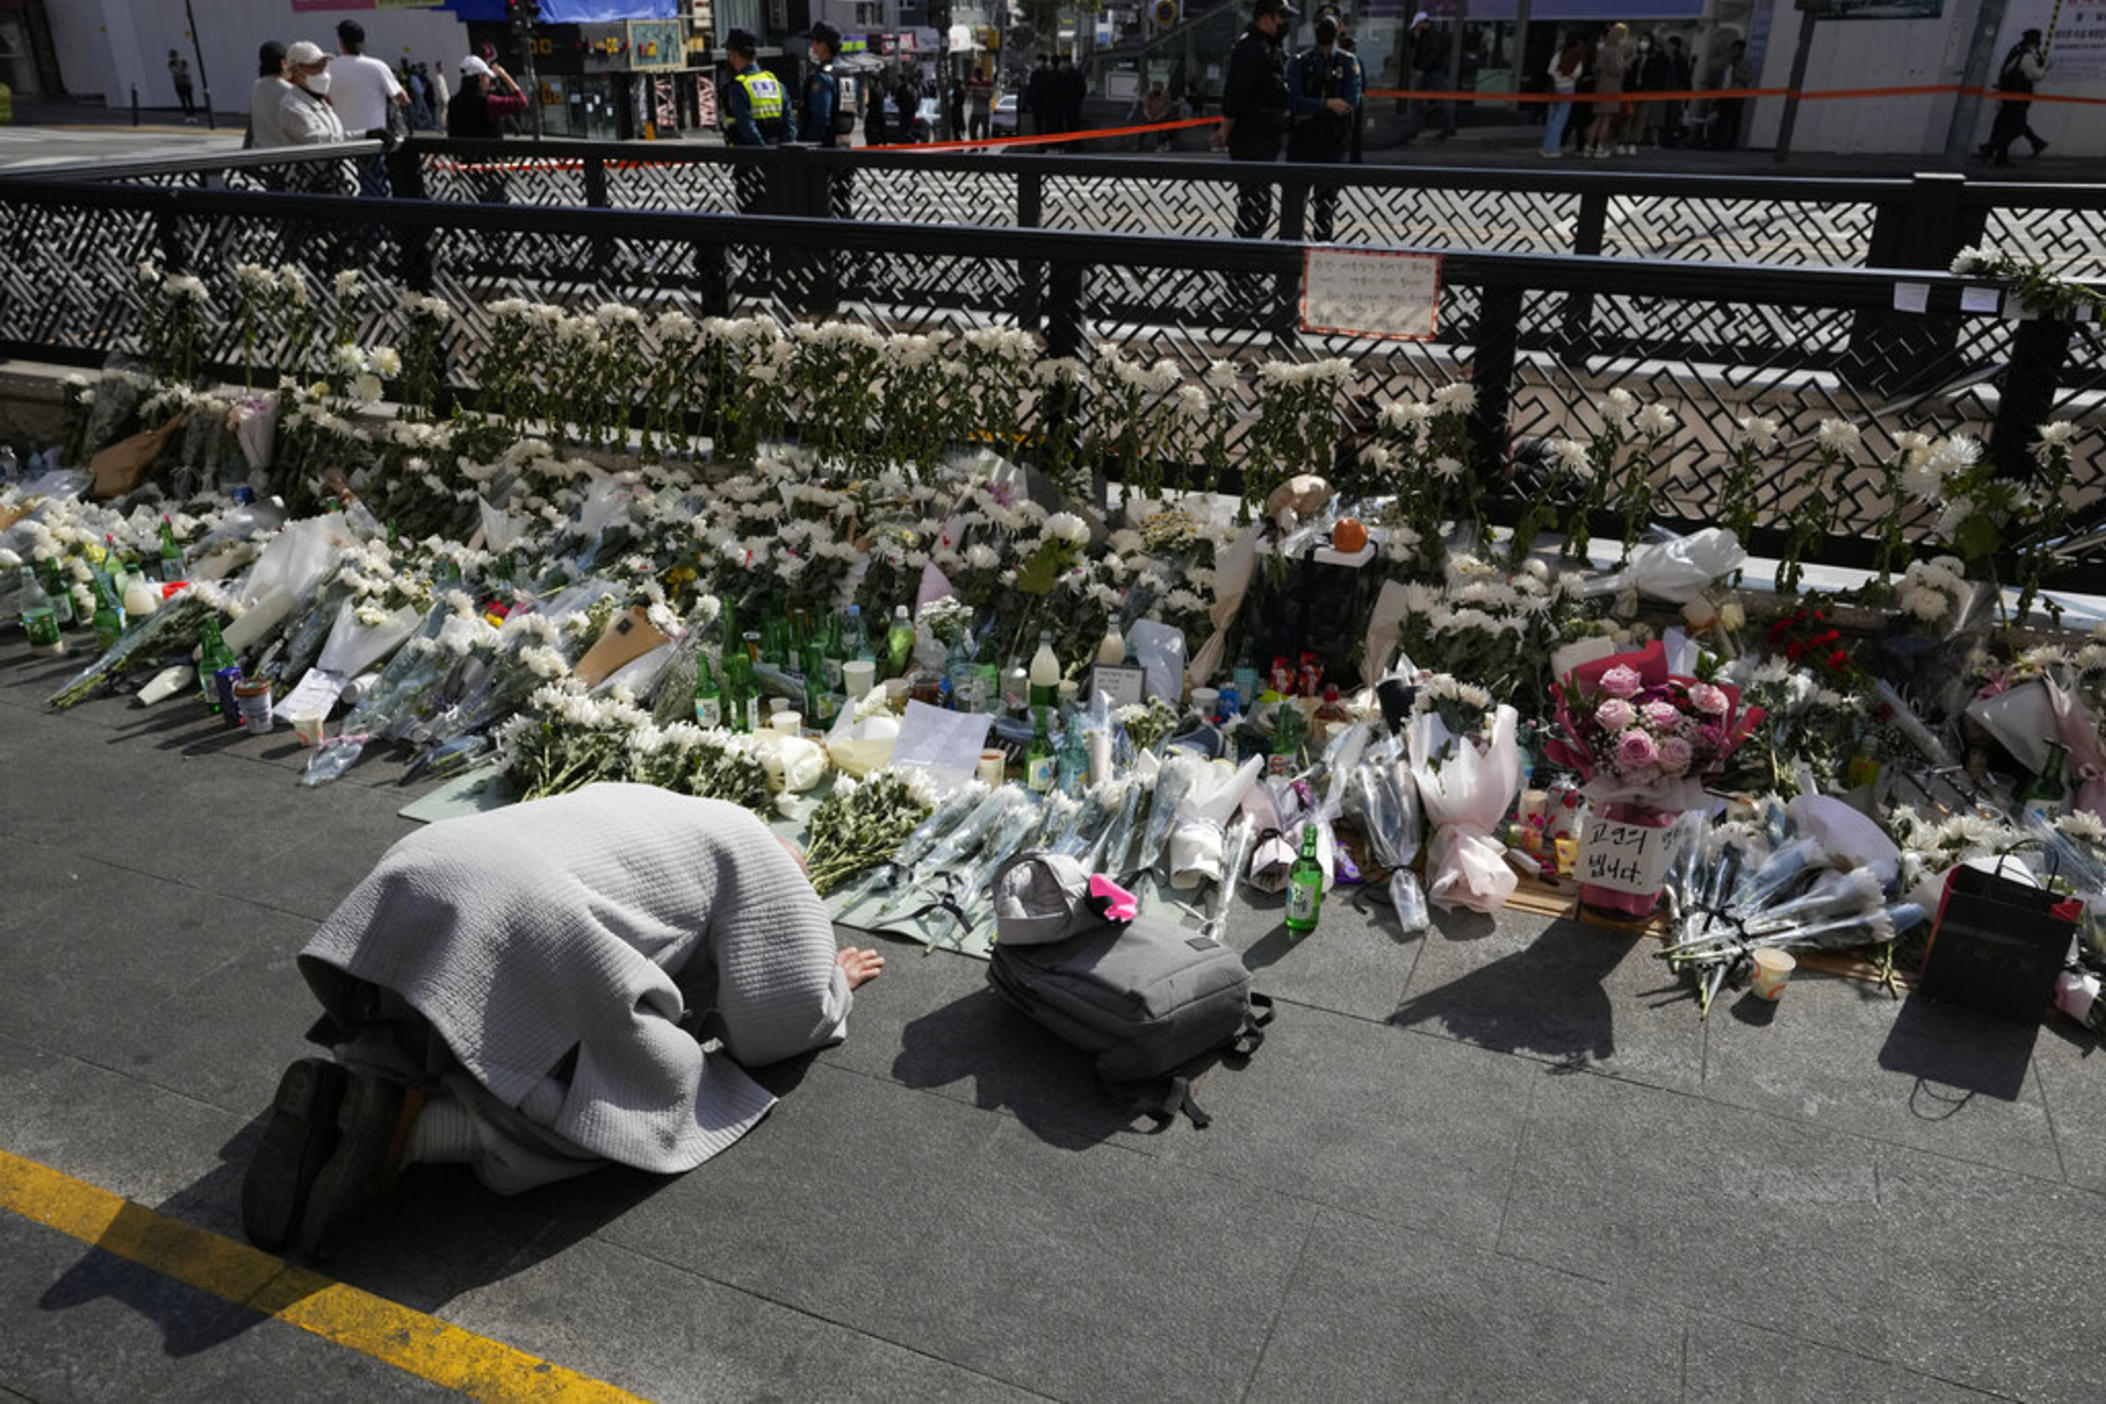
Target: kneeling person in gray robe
{"points": [[531, 991]]}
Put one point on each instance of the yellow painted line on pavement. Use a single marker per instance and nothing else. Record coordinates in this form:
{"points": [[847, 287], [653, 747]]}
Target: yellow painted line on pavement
{"points": [[410, 1340]]}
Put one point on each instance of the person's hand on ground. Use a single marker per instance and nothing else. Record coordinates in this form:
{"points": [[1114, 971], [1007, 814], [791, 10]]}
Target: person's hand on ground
{"points": [[862, 966]]}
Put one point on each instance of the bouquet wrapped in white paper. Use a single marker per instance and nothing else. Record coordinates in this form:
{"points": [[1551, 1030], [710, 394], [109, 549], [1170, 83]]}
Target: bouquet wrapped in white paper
{"points": [[1199, 834], [1466, 785]]}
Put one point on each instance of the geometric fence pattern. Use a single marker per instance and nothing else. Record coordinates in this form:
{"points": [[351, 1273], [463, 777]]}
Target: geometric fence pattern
{"points": [[1544, 339]]}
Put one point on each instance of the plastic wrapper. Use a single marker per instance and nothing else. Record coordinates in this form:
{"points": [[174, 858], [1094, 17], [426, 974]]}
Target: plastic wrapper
{"points": [[1199, 834], [1465, 792], [1676, 571]]}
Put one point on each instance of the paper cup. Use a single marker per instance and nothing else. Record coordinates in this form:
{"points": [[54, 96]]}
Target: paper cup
{"points": [[787, 722], [992, 764], [859, 675], [896, 692], [310, 727], [1207, 702], [1773, 971]]}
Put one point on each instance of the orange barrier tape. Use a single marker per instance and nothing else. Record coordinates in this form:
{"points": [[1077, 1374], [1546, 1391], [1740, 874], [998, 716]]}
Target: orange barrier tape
{"points": [[1804, 94], [1048, 139]]}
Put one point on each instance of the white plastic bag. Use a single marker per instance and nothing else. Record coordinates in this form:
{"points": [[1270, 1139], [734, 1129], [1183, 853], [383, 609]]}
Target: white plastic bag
{"points": [[1464, 795]]}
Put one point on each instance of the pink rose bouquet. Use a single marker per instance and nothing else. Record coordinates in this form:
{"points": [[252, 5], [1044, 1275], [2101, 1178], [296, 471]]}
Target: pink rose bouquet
{"points": [[1642, 736]]}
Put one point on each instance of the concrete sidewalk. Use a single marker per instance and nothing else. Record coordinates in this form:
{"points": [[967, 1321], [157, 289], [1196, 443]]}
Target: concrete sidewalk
{"points": [[1502, 1162]]}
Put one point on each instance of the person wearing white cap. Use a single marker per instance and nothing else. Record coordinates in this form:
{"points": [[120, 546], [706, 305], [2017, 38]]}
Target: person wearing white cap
{"points": [[477, 113], [305, 116]]}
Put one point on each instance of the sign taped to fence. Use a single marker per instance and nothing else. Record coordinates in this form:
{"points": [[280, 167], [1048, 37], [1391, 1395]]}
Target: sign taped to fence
{"points": [[1371, 292], [1631, 858]]}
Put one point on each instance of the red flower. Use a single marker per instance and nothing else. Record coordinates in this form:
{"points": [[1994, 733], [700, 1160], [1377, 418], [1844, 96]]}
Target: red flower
{"points": [[1793, 649], [1839, 659]]}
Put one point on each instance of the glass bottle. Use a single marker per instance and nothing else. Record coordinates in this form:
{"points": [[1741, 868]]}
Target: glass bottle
{"points": [[709, 696], [899, 642], [1045, 672], [1286, 740], [1331, 717], [2044, 792], [39, 616], [818, 697], [1074, 753], [741, 698], [172, 566], [58, 592], [108, 620], [855, 642], [836, 653], [1305, 888], [213, 655], [1041, 761], [960, 674]]}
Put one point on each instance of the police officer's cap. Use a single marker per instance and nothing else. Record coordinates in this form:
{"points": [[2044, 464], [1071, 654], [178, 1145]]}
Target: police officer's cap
{"points": [[742, 41], [1273, 7], [1326, 29], [824, 33]]}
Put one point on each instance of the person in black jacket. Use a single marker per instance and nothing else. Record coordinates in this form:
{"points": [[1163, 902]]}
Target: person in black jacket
{"points": [[1068, 87], [1254, 103], [1038, 98]]}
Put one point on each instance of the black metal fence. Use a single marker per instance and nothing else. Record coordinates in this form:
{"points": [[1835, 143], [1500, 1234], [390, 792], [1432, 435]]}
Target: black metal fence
{"points": [[1890, 222], [1542, 336]]}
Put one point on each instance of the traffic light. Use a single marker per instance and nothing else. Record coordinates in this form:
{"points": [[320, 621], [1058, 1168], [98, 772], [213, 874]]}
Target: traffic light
{"points": [[523, 15]]}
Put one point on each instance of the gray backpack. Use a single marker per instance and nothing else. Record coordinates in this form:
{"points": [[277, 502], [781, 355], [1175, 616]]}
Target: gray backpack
{"points": [[1149, 998]]}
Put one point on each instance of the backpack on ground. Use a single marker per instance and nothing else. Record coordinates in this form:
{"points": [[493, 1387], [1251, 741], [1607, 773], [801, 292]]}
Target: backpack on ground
{"points": [[1151, 999]]}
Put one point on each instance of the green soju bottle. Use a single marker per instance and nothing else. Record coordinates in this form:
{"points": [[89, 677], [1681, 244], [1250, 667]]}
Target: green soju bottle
{"points": [[818, 697], [740, 697], [899, 643], [172, 566], [57, 590], [213, 655], [39, 617], [1305, 888], [709, 698], [108, 620], [1041, 761], [2044, 792], [1287, 728]]}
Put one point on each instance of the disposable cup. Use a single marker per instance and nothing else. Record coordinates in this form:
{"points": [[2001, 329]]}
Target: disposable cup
{"points": [[787, 722], [310, 727], [991, 766], [896, 692], [858, 675], [1773, 971]]}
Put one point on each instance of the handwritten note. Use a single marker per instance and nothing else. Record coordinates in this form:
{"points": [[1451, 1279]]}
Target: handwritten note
{"points": [[1627, 857], [1368, 292], [1912, 297], [1981, 299], [317, 692]]}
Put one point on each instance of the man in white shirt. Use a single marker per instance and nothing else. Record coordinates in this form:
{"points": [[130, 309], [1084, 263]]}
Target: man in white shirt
{"points": [[363, 88], [266, 95]]}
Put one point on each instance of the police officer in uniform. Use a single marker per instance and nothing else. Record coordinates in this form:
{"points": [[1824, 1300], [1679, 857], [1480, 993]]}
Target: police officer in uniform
{"points": [[1323, 85], [755, 112], [821, 123], [1254, 103]]}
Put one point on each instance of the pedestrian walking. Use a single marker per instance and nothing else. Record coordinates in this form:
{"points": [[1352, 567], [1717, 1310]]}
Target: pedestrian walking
{"points": [[874, 131], [956, 110], [754, 113], [420, 98], [478, 112], [179, 74], [822, 122], [1735, 76], [1323, 87], [1564, 74], [1608, 108], [979, 108], [306, 117], [2022, 71], [1648, 75], [266, 96], [1254, 106], [1155, 112], [366, 96], [441, 96]]}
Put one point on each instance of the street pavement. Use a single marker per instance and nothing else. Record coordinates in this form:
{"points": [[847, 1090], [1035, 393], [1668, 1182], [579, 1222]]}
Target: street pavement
{"points": [[1503, 1161]]}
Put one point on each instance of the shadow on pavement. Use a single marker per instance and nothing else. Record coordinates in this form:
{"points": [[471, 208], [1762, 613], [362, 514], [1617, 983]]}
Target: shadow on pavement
{"points": [[1015, 1064], [438, 1235], [1546, 1000], [1956, 1054]]}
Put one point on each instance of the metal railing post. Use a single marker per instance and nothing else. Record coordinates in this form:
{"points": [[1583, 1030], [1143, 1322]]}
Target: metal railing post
{"points": [[1030, 214], [1897, 353], [2026, 393], [1492, 372], [1587, 236]]}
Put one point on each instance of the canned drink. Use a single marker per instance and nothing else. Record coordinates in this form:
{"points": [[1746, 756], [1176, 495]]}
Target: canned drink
{"points": [[253, 697], [1310, 676], [1282, 675], [1230, 702], [223, 684]]}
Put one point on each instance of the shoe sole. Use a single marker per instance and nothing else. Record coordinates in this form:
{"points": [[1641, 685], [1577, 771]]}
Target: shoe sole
{"points": [[367, 1125], [297, 1141]]}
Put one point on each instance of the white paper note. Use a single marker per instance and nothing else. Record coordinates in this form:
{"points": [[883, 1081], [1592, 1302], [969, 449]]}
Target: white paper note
{"points": [[1367, 292], [1981, 299], [1911, 297], [317, 692]]}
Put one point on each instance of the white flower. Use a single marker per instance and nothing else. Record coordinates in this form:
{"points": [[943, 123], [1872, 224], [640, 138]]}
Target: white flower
{"points": [[1619, 406], [1456, 397], [1447, 469], [350, 359], [1973, 259], [366, 388], [1838, 437], [386, 360], [1219, 376], [1655, 421], [185, 286], [1571, 457], [981, 557], [347, 282], [1066, 526]]}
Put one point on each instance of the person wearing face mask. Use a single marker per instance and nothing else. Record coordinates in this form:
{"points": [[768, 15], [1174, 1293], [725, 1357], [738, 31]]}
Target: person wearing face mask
{"points": [[305, 116]]}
